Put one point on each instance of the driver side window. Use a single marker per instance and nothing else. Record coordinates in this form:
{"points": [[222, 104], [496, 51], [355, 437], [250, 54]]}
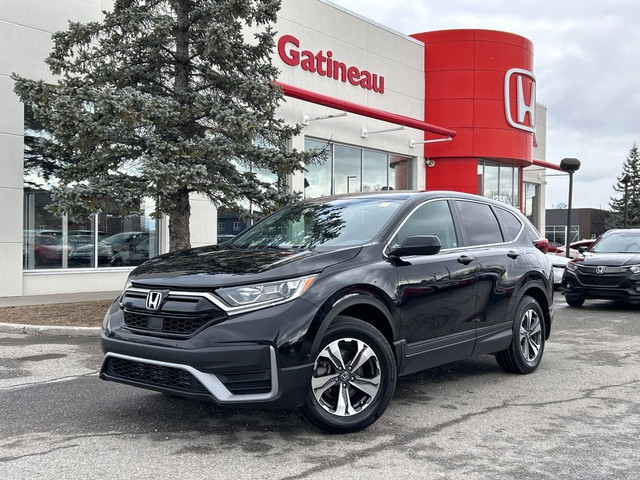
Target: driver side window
{"points": [[431, 218]]}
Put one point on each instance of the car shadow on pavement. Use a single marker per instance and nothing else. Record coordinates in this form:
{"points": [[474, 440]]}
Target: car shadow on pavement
{"points": [[607, 305], [158, 414]]}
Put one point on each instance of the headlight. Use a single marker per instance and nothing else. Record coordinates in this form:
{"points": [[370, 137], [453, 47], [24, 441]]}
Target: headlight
{"points": [[105, 321], [572, 266], [126, 285], [280, 291], [634, 268]]}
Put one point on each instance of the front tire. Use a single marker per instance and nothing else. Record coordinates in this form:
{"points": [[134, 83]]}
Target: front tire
{"points": [[527, 343], [353, 378], [574, 301]]}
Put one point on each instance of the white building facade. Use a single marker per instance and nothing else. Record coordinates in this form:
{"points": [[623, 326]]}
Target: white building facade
{"points": [[357, 86]]}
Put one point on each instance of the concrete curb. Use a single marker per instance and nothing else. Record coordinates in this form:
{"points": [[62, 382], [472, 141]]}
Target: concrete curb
{"points": [[49, 330]]}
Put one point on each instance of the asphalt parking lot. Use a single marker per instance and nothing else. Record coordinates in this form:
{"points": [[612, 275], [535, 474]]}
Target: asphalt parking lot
{"points": [[578, 417]]}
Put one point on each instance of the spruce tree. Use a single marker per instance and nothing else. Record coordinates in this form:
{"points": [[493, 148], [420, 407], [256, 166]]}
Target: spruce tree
{"points": [[630, 167], [161, 99]]}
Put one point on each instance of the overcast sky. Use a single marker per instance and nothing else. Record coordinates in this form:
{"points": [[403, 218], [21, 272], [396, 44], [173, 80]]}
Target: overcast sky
{"points": [[587, 68]]}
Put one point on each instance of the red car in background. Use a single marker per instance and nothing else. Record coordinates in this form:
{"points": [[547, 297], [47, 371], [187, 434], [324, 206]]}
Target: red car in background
{"points": [[574, 248], [553, 247], [48, 249]]}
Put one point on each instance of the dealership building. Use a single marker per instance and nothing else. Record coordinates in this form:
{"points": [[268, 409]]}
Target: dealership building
{"points": [[435, 110]]}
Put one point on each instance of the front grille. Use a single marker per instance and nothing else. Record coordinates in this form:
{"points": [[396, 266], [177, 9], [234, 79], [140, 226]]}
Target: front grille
{"points": [[609, 270], [156, 375], [178, 316], [601, 280], [179, 325], [603, 293]]}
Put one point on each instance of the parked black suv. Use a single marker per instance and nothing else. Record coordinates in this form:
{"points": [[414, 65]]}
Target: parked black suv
{"points": [[609, 269], [322, 304]]}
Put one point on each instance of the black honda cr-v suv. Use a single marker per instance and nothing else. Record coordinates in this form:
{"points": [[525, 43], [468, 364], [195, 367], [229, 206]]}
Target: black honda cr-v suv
{"points": [[322, 304]]}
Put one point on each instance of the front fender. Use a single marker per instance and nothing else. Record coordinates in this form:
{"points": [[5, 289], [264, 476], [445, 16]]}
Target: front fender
{"points": [[350, 303]]}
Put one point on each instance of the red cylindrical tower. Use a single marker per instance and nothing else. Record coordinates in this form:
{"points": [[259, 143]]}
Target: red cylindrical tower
{"points": [[481, 84]]}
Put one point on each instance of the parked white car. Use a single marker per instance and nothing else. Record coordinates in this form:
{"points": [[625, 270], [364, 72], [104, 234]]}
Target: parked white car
{"points": [[559, 263]]}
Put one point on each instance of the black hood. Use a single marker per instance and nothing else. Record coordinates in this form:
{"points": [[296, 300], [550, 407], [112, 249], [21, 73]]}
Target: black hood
{"points": [[610, 259], [214, 266]]}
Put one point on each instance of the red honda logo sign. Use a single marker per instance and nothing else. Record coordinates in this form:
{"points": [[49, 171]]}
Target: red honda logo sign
{"points": [[523, 82]]}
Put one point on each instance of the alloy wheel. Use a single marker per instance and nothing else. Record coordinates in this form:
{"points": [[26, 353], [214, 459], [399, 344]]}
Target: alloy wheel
{"points": [[530, 335], [346, 377]]}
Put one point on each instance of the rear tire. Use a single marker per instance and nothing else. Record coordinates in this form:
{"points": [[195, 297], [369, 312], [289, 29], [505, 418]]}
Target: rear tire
{"points": [[527, 342], [574, 301], [353, 378]]}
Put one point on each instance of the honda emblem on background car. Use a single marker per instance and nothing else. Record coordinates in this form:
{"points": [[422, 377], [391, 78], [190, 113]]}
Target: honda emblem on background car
{"points": [[600, 270], [154, 300]]}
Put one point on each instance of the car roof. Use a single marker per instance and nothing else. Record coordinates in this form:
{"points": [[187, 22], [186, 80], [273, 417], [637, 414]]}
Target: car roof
{"points": [[406, 195], [628, 231]]}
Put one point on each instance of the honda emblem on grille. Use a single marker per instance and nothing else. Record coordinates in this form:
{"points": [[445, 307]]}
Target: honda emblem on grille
{"points": [[600, 270], [154, 300]]}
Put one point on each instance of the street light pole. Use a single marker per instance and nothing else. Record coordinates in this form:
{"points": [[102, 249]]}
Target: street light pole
{"points": [[569, 165], [626, 178]]}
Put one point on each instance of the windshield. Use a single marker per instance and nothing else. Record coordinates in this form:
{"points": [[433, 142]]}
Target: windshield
{"points": [[335, 224], [618, 242]]}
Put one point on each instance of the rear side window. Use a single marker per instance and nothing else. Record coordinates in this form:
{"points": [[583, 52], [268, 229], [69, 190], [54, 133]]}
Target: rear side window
{"points": [[510, 222], [479, 223], [431, 218]]}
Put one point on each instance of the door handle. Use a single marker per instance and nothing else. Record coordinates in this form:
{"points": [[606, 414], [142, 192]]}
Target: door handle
{"points": [[513, 254], [465, 259]]}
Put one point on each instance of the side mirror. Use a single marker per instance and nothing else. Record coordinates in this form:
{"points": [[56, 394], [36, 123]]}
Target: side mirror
{"points": [[417, 245], [583, 249]]}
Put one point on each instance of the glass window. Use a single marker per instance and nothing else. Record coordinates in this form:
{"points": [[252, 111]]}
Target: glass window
{"points": [[499, 182], [516, 187], [221, 226], [105, 239], [557, 234], [399, 173], [431, 218], [347, 163], [618, 242], [530, 207], [479, 222], [335, 224], [39, 253], [351, 169], [491, 188], [120, 241], [38, 223], [125, 240], [375, 171], [317, 178], [506, 185], [261, 174], [510, 222]]}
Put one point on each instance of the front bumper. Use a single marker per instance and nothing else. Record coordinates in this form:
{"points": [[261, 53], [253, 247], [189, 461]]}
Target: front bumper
{"points": [[258, 358], [625, 288]]}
